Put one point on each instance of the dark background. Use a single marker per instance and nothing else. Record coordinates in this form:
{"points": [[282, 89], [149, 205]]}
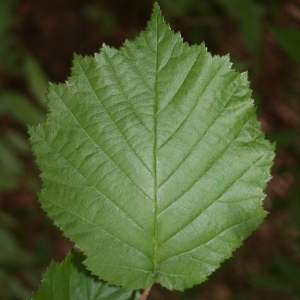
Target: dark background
{"points": [[37, 42]]}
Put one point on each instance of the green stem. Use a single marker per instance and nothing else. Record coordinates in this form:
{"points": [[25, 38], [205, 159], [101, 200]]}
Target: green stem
{"points": [[146, 292]]}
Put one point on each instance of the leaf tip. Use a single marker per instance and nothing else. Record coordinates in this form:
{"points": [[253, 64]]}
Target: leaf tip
{"points": [[156, 7]]}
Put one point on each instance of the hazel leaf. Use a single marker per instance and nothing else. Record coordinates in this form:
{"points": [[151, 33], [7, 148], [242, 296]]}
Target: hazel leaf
{"points": [[153, 161]]}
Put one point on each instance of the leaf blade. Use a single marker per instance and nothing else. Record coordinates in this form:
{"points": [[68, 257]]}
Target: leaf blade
{"points": [[153, 160]]}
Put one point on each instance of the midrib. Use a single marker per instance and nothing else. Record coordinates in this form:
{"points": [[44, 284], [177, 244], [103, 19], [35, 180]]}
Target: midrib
{"points": [[154, 155]]}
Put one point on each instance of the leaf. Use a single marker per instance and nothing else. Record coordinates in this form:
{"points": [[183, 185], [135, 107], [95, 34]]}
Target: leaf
{"points": [[153, 161], [289, 39], [11, 166], [20, 107], [36, 78], [70, 280], [17, 141]]}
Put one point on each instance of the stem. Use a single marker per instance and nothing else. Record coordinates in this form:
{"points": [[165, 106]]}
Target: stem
{"points": [[146, 292]]}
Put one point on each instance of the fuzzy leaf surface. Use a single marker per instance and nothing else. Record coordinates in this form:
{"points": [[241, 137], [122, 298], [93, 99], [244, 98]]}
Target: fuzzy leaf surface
{"points": [[152, 160], [70, 280]]}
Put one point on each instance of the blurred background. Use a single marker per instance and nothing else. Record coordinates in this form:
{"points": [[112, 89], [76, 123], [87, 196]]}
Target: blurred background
{"points": [[37, 42]]}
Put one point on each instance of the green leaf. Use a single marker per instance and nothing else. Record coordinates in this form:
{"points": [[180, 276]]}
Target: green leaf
{"points": [[153, 161], [70, 280], [20, 106], [9, 161], [17, 140], [289, 39], [36, 78]]}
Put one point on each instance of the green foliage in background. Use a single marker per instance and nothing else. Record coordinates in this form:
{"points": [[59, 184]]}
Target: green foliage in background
{"points": [[285, 277], [289, 39], [153, 161], [19, 107], [12, 260], [249, 14]]}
